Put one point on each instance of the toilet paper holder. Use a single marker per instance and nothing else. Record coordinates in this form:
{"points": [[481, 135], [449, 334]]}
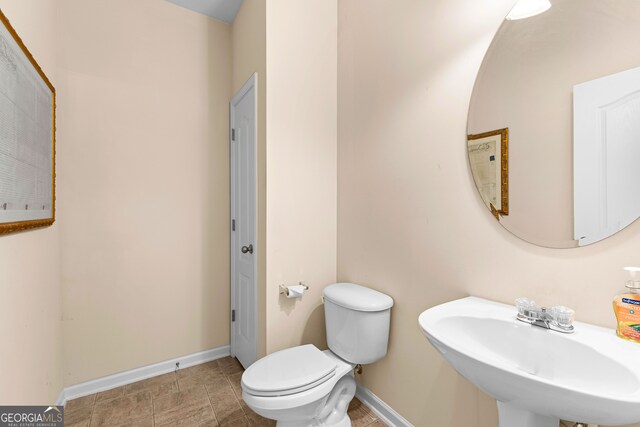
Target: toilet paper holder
{"points": [[284, 290]]}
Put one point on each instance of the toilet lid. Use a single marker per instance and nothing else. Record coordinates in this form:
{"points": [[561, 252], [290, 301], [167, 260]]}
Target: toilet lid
{"points": [[288, 372]]}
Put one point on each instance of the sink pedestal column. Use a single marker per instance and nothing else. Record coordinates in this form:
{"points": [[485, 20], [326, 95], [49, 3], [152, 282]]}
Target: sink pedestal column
{"points": [[512, 416]]}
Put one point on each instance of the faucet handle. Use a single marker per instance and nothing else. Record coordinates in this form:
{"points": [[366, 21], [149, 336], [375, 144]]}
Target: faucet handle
{"points": [[562, 315], [525, 305]]}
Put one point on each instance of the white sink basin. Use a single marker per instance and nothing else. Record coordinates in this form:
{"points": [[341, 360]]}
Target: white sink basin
{"points": [[538, 376]]}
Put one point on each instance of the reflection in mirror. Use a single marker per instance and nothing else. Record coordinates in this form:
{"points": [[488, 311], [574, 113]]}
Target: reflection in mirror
{"points": [[574, 65], [606, 176], [489, 161]]}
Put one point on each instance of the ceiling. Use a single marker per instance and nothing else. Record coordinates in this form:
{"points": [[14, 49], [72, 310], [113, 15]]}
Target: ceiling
{"points": [[224, 10]]}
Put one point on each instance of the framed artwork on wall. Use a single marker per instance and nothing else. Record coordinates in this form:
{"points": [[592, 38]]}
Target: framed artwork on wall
{"points": [[27, 137]]}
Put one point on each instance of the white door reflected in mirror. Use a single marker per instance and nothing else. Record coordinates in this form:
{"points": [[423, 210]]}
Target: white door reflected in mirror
{"points": [[606, 171]]}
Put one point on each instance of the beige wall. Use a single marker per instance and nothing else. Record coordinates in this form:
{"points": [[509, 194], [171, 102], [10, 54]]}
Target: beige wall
{"points": [[143, 183], [143, 176], [30, 318], [526, 84], [249, 55], [301, 166], [410, 221]]}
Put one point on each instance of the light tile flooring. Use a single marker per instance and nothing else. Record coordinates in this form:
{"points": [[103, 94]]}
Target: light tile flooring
{"points": [[203, 395]]}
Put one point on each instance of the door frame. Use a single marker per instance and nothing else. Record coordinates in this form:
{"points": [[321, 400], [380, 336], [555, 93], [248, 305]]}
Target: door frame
{"points": [[252, 83]]}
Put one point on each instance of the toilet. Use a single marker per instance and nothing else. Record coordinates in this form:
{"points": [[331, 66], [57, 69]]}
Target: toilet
{"points": [[305, 387]]}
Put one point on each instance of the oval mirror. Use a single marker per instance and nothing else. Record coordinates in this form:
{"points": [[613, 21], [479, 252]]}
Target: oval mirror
{"points": [[554, 123]]}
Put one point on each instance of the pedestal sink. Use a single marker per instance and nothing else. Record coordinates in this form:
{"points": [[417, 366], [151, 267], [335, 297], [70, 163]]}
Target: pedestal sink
{"points": [[538, 376]]}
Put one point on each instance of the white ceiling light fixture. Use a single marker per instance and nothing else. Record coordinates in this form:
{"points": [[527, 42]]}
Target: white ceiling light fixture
{"points": [[528, 8]]}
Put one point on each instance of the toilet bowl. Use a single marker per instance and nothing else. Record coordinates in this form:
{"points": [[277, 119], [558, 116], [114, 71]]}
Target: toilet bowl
{"points": [[305, 400], [305, 387]]}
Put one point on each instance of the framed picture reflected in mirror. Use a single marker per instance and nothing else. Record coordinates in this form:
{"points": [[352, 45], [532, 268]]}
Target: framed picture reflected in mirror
{"points": [[489, 161]]}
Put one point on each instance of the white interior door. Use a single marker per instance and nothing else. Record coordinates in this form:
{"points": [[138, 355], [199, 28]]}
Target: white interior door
{"points": [[243, 224], [606, 155]]}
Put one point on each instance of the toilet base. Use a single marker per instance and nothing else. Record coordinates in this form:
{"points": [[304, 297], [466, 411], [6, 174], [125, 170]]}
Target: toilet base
{"points": [[346, 422], [333, 410]]}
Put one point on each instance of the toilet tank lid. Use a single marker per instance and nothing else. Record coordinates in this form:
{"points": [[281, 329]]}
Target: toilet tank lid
{"points": [[356, 297]]}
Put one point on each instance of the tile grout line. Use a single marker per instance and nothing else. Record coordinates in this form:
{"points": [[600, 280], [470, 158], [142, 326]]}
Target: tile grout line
{"points": [[226, 377], [153, 405], [153, 411], [206, 390], [93, 408], [211, 404], [233, 391], [237, 399]]}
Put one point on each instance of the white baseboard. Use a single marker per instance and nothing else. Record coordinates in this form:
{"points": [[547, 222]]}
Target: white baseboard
{"points": [[138, 374], [380, 408]]}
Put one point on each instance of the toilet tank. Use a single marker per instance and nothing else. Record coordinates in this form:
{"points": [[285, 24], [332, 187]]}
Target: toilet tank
{"points": [[357, 320]]}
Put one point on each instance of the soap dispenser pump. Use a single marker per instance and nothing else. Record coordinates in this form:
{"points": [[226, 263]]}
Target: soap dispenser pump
{"points": [[627, 307]]}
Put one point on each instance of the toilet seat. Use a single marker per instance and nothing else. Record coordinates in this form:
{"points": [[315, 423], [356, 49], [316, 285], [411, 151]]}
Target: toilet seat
{"points": [[288, 372]]}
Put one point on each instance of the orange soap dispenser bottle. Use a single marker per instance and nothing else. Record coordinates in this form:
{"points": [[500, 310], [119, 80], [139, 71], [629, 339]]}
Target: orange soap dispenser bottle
{"points": [[627, 308]]}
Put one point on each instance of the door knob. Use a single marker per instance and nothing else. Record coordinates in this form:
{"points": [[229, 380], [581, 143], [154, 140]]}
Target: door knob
{"points": [[246, 249]]}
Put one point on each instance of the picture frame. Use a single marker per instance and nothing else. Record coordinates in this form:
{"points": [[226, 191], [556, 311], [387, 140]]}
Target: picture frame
{"points": [[489, 160], [27, 137]]}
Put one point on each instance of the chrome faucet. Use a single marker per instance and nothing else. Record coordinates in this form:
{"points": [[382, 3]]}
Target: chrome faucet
{"points": [[558, 318]]}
